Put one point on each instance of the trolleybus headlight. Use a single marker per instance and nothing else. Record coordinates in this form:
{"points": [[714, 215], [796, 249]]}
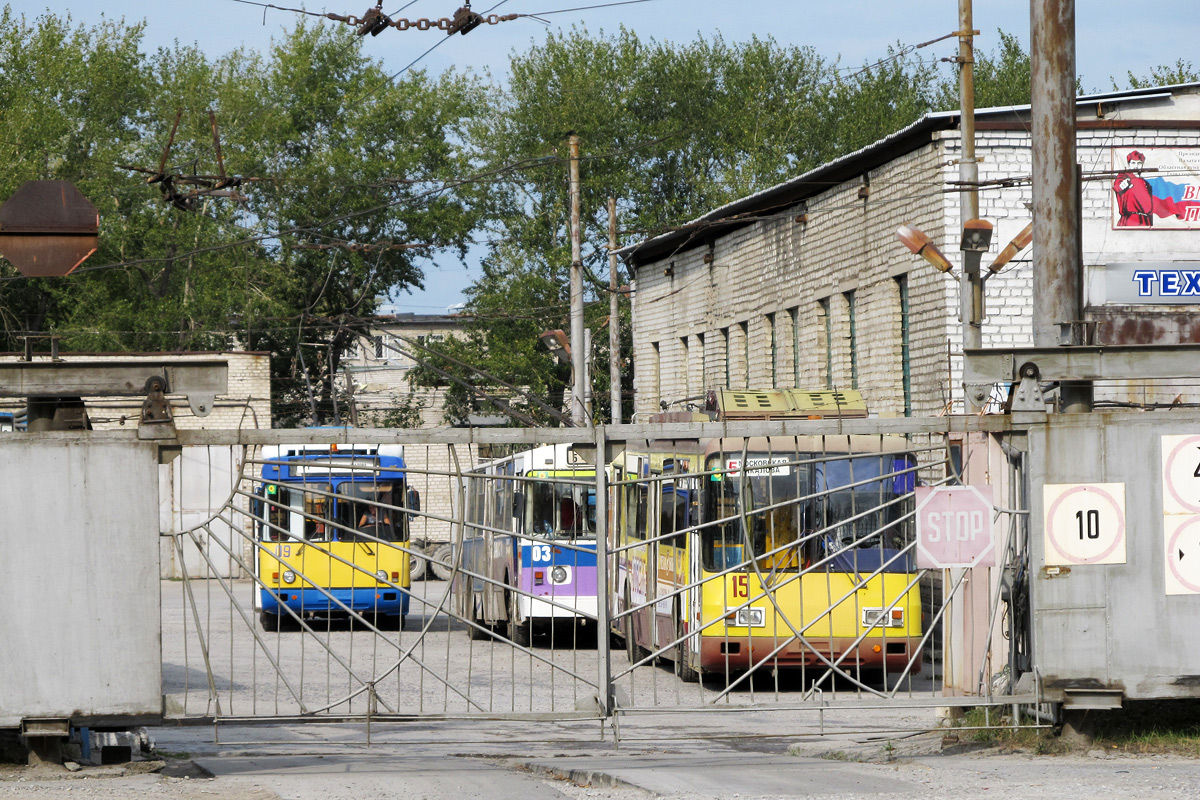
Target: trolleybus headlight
{"points": [[289, 576], [558, 575], [382, 575], [883, 617]]}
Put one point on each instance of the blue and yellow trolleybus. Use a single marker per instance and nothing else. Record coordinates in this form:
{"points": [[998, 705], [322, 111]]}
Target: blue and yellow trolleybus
{"points": [[332, 531]]}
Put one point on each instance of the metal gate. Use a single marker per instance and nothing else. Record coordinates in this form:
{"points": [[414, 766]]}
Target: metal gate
{"points": [[592, 574]]}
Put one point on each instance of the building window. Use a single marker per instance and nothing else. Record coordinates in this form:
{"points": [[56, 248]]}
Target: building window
{"points": [[744, 329], [687, 366], [852, 335], [656, 367], [905, 354], [378, 346], [823, 312], [728, 357], [794, 314], [703, 363], [774, 351]]}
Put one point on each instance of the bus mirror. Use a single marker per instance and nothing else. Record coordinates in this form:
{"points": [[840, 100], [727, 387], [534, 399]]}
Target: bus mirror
{"points": [[413, 500]]}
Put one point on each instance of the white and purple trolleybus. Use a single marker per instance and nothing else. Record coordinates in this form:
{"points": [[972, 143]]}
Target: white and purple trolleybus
{"points": [[528, 547]]}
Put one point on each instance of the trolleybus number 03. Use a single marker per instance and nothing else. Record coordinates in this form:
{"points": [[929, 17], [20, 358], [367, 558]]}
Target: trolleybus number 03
{"points": [[539, 552]]}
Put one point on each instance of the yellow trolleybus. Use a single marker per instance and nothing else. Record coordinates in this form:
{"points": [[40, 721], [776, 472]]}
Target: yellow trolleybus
{"points": [[795, 551]]}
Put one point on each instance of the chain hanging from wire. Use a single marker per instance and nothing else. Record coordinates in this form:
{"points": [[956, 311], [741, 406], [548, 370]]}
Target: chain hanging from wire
{"points": [[375, 22]]}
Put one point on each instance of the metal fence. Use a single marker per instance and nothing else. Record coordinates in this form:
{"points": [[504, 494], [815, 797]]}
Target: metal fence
{"points": [[593, 575]]}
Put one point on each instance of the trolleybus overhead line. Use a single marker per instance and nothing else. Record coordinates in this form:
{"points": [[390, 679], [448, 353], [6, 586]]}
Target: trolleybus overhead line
{"points": [[219, 185]]}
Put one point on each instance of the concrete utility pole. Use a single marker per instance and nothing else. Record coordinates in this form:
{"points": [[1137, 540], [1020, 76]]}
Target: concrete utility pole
{"points": [[1057, 268], [971, 285], [578, 347], [614, 316]]}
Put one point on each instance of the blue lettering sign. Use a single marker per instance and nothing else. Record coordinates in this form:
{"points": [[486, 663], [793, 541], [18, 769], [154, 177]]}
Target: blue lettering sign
{"points": [[1191, 282], [1168, 283], [1145, 279]]}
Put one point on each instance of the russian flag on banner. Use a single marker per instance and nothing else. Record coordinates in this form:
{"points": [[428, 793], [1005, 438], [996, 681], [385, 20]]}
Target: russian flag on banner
{"points": [[1181, 200]]}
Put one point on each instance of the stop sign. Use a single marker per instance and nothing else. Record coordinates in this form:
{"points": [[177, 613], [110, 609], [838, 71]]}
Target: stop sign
{"points": [[954, 527], [48, 228]]}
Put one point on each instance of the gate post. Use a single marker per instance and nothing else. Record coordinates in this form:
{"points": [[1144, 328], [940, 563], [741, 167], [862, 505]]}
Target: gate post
{"points": [[603, 653]]}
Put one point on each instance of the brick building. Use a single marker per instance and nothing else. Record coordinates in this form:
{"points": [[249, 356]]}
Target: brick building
{"points": [[805, 285]]}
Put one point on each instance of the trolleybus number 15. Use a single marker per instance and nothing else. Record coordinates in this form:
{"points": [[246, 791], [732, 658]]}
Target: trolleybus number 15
{"points": [[741, 585]]}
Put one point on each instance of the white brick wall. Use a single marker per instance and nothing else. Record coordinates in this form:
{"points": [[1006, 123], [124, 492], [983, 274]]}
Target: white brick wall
{"points": [[849, 244]]}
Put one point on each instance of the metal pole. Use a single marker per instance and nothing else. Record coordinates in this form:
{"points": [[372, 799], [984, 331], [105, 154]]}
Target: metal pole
{"points": [[603, 591], [578, 356], [1056, 203], [971, 287], [614, 317]]}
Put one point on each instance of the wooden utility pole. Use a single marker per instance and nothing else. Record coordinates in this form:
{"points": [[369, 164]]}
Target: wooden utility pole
{"points": [[578, 346], [614, 316], [1057, 248], [971, 287]]}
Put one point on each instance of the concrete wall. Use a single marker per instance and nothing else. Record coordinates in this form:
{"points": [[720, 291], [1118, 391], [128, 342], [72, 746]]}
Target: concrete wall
{"points": [[79, 579]]}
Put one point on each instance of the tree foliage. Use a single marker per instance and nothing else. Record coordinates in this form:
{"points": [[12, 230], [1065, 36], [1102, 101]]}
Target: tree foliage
{"points": [[333, 150], [672, 131]]}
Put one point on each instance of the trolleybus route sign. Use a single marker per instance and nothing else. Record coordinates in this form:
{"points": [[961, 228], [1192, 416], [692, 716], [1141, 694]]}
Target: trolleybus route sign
{"points": [[954, 527], [1084, 523]]}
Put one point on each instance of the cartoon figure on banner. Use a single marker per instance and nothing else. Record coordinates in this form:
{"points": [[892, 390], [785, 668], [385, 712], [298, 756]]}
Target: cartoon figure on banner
{"points": [[1139, 199]]}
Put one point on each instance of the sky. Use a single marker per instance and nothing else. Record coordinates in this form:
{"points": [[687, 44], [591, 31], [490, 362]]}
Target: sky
{"points": [[1112, 37]]}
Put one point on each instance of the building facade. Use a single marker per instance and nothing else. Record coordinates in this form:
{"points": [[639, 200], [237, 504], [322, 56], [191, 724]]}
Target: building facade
{"points": [[805, 284]]}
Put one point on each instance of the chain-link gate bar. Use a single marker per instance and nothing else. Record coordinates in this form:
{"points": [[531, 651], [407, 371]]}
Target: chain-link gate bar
{"points": [[327, 670]]}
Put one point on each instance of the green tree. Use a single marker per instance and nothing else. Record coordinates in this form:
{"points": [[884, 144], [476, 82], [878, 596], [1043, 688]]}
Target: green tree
{"points": [[1166, 75], [333, 152]]}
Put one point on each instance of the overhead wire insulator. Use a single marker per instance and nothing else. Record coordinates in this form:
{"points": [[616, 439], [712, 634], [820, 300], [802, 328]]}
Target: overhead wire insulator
{"points": [[374, 22], [465, 20]]}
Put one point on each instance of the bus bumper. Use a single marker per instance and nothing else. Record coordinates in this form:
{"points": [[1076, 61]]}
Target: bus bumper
{"points": [[718, 654], [318, 602]]}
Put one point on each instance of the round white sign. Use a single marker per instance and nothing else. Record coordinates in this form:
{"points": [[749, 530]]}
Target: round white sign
{"points": [[1183, 555], [1181, 474], [1084, 523]]}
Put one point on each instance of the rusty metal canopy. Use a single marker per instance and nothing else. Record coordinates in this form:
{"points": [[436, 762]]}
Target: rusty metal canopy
{"points": [[48, 228]]}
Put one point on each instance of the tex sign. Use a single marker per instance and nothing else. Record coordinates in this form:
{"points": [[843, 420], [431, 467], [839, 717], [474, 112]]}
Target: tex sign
{"points": [[954, 527]]}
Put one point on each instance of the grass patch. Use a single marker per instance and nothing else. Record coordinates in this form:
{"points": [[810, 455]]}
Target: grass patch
{"points": [[1158, 726], [1140, 728]]}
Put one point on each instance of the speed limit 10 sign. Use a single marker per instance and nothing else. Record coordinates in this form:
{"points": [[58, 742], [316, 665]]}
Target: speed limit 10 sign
{"points": [[1084, 523]]}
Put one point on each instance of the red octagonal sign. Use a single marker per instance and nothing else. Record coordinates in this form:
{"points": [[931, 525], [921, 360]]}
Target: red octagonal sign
{"points": [[954, 527], [48, 228]]}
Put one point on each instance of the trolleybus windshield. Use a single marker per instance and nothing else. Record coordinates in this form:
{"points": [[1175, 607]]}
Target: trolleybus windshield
{"points": [[852, 499], [365, 509], [561, 509]]}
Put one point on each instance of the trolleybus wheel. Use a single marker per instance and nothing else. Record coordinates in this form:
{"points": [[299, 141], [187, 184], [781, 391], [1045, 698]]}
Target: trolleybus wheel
{"points": [[474, 632], [683, 670], [417, 563], [269, 621], [521, 633]]}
